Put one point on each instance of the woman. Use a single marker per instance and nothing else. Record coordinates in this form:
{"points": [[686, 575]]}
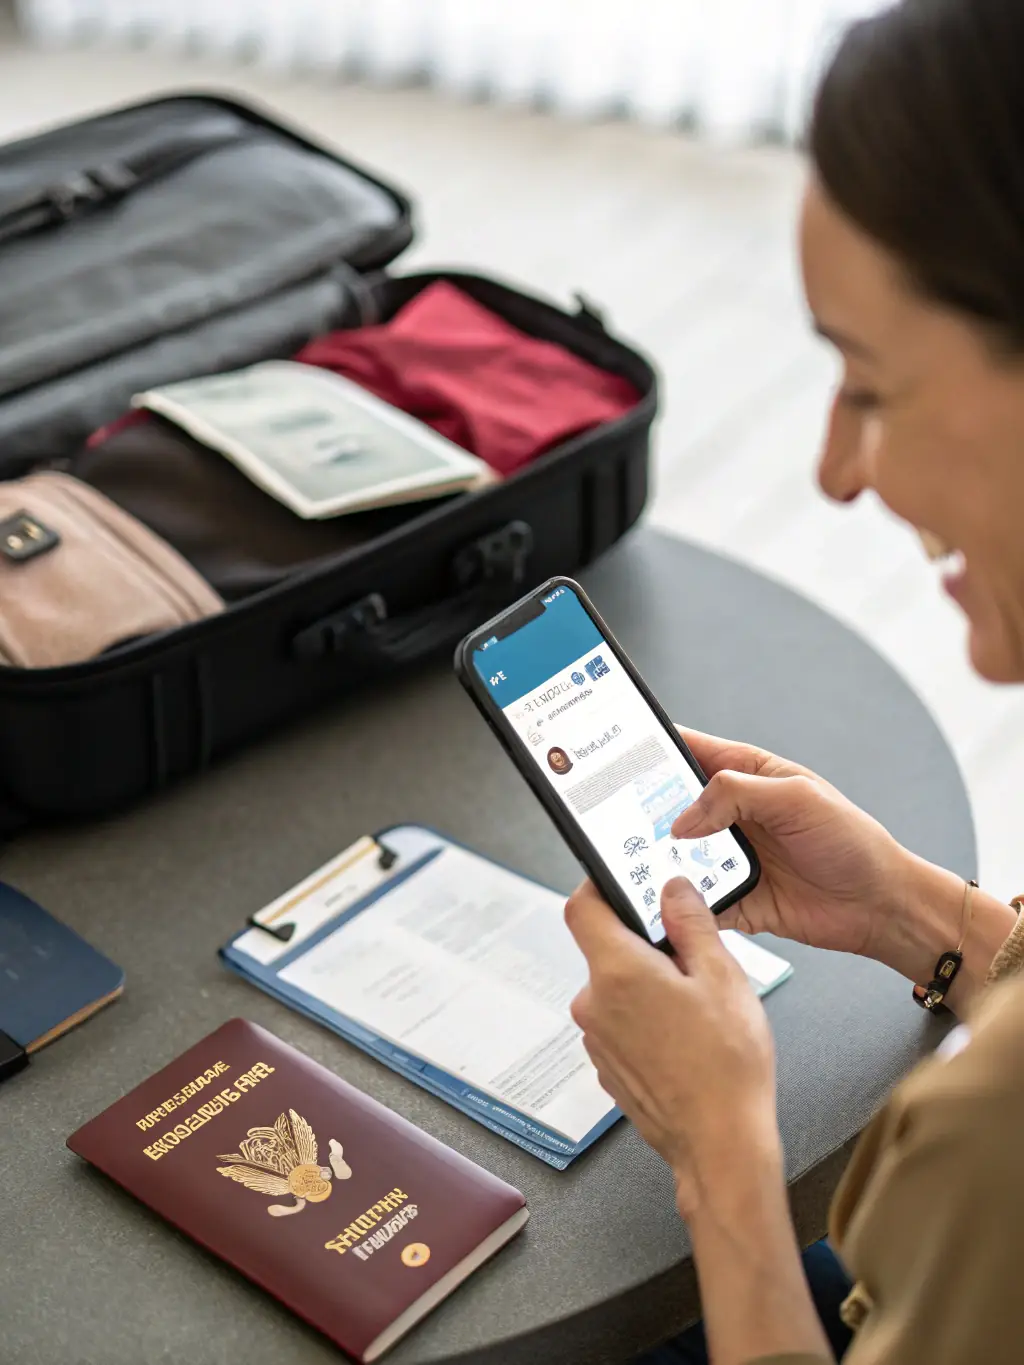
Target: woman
{"points": [[912, 242]]}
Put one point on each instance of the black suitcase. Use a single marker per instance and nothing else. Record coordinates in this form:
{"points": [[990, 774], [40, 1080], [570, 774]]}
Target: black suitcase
{"points": [[203, 235]]}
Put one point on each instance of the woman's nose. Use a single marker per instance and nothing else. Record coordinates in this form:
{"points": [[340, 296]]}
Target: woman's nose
{"points": [[844, 469]]}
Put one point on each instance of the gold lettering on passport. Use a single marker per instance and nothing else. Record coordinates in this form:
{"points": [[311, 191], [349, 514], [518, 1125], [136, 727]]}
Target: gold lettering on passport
{"points": [[354, 1236], [182, 1097], [282, 1161], [216, 1104]]}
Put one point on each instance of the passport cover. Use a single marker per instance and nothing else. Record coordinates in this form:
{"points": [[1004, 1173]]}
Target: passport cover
{"points": [[347, 1213], [50, 979]]}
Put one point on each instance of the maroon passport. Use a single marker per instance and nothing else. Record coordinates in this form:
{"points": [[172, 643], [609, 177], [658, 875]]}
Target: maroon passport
{"points": [[348, 1214]]}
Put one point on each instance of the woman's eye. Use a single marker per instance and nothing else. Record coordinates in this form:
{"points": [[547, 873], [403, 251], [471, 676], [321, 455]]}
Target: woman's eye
{"points": [[860, 400]]}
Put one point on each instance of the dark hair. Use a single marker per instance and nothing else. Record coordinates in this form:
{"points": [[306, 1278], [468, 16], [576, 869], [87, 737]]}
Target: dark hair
{"points": [[917, 135]]}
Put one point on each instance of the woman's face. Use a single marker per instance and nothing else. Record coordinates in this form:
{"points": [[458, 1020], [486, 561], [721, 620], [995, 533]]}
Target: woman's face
{"points": [[929, 416]]}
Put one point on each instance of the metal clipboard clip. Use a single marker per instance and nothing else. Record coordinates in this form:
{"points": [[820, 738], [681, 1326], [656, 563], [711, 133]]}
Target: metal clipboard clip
{"points": [[386, 859]]}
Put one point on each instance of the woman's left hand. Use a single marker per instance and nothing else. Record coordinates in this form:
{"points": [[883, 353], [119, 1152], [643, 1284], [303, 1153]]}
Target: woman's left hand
{"points": [[681, 1044]]}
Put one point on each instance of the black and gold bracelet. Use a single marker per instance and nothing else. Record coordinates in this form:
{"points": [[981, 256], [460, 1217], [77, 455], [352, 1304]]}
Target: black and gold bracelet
{"points": [[933, 996]]}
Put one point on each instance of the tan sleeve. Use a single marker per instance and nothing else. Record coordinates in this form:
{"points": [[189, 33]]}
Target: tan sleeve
{"points": [[933, 1235], [1009, 961]]}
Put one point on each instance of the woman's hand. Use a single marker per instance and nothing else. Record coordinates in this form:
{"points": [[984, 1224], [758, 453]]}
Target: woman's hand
{"points": [[831, 876], [682, 1046]]}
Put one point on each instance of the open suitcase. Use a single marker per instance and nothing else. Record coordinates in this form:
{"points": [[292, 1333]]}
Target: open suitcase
{"points": [[191, 236]]}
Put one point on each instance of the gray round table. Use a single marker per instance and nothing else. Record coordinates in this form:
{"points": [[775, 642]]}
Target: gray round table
{"points": [[89, 1277]]}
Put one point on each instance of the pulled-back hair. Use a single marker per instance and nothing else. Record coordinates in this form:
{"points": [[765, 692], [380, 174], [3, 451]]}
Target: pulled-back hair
{"points": [[917, 135]]}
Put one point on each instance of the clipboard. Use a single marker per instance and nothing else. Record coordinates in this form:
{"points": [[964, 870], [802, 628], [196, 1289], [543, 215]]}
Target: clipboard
{"points": [[291, 928]]}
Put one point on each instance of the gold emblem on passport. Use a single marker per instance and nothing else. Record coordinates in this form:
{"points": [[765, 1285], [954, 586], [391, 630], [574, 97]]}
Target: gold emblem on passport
{"points": [[283, 1161], [415, 1254]]}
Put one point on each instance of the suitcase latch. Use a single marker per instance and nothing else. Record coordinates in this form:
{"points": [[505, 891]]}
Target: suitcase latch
{"points": [[330, 635], [502, 554]]}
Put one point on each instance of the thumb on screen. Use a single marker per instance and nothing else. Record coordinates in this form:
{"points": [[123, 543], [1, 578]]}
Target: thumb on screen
{"points": [[689, 925]]}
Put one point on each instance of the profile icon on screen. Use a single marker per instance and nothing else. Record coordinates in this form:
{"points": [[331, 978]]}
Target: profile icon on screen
{"points": [[559, 761]]}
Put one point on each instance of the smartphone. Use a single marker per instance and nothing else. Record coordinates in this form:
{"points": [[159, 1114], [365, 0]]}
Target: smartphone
{"points": [[610, 768]]}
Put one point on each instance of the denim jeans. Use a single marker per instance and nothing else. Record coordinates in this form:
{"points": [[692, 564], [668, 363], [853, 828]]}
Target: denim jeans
{"points": [[829, 1287]]}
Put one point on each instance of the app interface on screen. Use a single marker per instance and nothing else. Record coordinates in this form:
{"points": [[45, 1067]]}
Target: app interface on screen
{"points": [[606, 755]]}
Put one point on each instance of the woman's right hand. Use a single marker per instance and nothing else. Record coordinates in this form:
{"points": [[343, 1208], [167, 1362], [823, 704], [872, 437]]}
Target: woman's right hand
{"points": [[831, 876]]}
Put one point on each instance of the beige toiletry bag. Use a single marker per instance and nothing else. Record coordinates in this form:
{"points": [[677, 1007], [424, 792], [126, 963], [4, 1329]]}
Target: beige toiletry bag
{"points": [[78, 575]]}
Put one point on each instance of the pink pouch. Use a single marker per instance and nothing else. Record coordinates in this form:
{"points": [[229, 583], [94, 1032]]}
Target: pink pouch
{"points": [[79, 575]]}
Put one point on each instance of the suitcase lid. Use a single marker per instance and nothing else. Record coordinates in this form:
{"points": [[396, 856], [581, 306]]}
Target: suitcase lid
{"points": [[159, 217]]}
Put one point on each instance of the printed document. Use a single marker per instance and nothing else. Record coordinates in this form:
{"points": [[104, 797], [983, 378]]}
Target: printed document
{"points": [[472, 969]]}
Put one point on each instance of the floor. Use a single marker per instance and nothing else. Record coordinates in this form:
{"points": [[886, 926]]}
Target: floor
{"points": [[690, 250]]}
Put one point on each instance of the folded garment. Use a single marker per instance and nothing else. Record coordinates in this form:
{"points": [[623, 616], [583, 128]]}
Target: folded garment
{"points": [[502, 395], [79, 575]]}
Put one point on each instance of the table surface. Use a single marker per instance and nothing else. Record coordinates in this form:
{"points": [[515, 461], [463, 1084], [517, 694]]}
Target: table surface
{"points": [[90, 1277]]}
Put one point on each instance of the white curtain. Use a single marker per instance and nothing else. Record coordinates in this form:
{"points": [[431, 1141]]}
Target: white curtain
{"points": [[730, 69]]}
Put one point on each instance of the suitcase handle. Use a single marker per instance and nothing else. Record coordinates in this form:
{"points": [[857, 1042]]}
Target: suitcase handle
{"points": [[485, 571]]}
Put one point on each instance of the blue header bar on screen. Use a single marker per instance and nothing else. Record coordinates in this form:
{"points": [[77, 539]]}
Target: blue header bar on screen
{"points": [[526, 659]]}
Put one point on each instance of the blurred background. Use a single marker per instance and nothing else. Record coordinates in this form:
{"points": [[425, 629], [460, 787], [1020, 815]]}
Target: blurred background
{"points": [[643, 153]]}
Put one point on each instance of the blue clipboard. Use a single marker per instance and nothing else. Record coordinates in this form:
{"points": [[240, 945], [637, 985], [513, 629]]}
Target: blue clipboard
{"points": [[383, 862]]}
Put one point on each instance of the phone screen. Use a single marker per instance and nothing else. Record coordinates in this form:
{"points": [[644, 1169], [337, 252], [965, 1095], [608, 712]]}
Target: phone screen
{"points": [[606, 755]]}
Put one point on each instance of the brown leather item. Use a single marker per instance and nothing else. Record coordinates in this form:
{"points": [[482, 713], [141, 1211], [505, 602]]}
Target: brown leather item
{"points": [[79, 575], [351, 1216]]}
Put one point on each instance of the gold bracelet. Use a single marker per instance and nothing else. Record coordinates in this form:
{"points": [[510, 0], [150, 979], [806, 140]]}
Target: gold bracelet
{"points": [[933, 996]]}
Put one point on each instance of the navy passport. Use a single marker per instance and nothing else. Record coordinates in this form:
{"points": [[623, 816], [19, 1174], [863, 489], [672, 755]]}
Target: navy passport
{"points": [[50, 979]]}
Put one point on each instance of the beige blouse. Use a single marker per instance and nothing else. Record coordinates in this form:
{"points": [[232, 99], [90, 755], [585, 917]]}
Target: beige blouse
{"points": [[929, 1217]]}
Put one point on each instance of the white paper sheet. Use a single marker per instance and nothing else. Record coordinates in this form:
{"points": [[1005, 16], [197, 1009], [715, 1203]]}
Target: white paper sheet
{"points": [[472, 969]]}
